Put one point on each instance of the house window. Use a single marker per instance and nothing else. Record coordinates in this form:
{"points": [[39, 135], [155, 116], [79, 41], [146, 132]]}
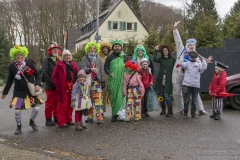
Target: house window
{"points": [[129, 26], [115, 25]]}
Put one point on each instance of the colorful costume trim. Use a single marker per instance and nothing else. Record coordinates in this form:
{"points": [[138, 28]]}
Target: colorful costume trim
{"points": [[27, 103]]}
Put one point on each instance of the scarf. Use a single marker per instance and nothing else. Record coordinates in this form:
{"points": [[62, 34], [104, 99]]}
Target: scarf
{"points": [[129, 71], [70, 70], [20, 66], [92, 58]]}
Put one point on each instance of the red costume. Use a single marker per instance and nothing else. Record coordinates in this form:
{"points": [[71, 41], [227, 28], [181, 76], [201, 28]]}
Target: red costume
{"points": [[218, 83]]}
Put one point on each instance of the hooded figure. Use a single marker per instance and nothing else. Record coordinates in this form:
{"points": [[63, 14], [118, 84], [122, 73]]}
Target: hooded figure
{"points": [[114, 68], [178, 73]]}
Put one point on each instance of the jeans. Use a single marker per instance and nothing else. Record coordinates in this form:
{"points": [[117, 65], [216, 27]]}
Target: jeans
{"points": [[167, 100], [191, 92]]}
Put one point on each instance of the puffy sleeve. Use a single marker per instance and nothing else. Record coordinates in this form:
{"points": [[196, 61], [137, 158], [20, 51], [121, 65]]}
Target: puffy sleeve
{"points": [[222, 82]]}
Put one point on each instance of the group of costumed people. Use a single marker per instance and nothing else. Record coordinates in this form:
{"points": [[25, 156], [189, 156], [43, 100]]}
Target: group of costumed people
{"points": [[106, 75]]}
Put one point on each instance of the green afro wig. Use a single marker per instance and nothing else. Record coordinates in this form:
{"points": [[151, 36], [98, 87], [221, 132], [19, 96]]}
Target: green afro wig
{"points": [[96, 45], [135, 55], [18, 49]]}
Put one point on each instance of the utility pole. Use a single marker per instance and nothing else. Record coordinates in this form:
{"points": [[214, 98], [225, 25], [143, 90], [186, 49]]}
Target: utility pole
{"points": [[97, 36]]}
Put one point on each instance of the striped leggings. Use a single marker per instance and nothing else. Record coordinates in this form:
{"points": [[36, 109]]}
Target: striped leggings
{"points": [[217, 104]]}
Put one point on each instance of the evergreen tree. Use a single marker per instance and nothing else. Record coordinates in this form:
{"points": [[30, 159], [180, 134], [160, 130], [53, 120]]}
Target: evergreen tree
{"points": [[135, 6], [131, 44], [150, 41], [4, 54], [105, 5], [195, 12]]}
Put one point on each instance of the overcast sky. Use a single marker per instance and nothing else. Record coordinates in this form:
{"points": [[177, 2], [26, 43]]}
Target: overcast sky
{"points": [[223, 6]]}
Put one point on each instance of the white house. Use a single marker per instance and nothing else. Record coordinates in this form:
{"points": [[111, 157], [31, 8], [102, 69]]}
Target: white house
{"points": [[119, 21]]}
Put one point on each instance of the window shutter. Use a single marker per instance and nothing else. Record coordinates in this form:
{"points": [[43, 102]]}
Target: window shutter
{"points": [[121, 26], [135, 26], [109, 25], [124, 26]]}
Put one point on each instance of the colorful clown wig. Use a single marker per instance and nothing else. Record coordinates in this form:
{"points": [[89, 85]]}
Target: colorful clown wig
{"points": [[132, 65], [90, 44], [135, 55], [54, 45], [18, 49]]}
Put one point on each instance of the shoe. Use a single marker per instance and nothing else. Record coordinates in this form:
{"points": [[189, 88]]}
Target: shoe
{"points": [[64, 126], [147, 115], [213, 115], [33, 125], [71, 124], [217, 115], [114, 118], [88, 120], [18, 130], [99, 122], [78, 127], [193, 114], [179, 113], [143, 115], [55, 119], [170, 113], [163, 110], [49, 122], [202, 112], [185, 113]]}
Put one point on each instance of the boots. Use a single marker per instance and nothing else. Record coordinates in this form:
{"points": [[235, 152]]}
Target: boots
{"points": [[55, 119], [213, 115], [163, 109], [114, 118], [49, 122], [193, 114], [169, 113], [185, 113], [217, 116], [33, 125], [78, 127], [18, 130]]}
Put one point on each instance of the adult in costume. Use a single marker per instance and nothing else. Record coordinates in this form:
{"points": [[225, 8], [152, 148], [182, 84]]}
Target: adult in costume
{"points": [[140, 53], [93, 64], [22, 98], [64, 76], [164, 78], [105, 49], [114, 68], [178, 73], [48, 64]]}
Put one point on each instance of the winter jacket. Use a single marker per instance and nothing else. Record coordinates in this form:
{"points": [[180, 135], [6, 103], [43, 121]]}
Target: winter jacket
{"points": [[59, 79], [166, 65], [146, 79], [134, 81], [192, 71], [77, 90], [20, 88], [85, 64], [218, 83], [47, 69]]}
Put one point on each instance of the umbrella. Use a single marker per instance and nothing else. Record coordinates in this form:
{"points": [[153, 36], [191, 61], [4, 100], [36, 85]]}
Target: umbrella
{"points": [[225, 94]]}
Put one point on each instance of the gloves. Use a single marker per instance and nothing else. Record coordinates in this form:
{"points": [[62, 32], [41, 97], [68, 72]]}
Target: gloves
{"points": [[102, 84], [73, 104]]}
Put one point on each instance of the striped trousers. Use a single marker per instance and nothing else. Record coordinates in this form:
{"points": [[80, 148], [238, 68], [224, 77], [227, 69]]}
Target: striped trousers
{"points": [[217, 104]]}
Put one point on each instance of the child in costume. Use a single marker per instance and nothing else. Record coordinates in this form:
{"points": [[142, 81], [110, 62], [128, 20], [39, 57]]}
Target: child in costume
{"points": [[80, 92], [191, 81], [218, 85], [133, 89], [147, 80], [20, 69]]}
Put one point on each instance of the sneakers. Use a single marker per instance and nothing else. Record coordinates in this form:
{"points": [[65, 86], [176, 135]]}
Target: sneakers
{"points": [[49, 122], [18, 130], [202, 112], [33, 125], [179, 113]]}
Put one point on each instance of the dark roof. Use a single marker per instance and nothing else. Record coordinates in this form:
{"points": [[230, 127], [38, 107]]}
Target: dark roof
{"points": [[105, 14], [72, 35]]}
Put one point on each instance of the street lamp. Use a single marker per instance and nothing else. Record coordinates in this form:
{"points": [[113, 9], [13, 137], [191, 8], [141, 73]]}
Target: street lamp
{"points": [[43, 51]]}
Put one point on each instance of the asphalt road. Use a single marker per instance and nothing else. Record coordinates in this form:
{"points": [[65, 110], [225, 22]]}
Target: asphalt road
{"points": [[153, 138]]}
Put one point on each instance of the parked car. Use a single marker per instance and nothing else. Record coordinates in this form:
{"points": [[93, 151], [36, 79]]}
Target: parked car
{"points": [[233, 86]]}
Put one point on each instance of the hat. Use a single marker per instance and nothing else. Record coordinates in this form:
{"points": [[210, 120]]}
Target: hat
{"points": [[220, 66], [193, 54], [170, 48], [144, 60], [54, 45], [90, 44], [191, 40], [66, 52], [116, 41], [81, 73], [131, 64], [18, 49]]}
